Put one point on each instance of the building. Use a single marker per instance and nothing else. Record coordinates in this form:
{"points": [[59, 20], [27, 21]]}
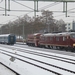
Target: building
{"points": [[70, 26], [73, 25]]}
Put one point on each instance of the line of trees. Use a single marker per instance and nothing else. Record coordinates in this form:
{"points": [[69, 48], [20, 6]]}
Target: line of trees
{"points": [[28, 25]]}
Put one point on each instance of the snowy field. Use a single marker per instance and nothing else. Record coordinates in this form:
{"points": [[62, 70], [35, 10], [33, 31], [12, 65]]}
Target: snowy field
{"points": [[30, 61]]}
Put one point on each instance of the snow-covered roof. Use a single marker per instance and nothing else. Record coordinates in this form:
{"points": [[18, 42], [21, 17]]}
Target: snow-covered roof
{"points": [[66, 33], [4, 35], [36, 34], [58, 34]]}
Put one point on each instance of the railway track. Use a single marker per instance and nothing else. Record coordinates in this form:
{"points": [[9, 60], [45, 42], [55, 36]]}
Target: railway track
{"points": [[9, 68], [21, 57], [32, 63], [52, 56]]}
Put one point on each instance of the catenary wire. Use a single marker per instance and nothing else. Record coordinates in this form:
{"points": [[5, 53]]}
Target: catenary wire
{"points": [[22, 4]]}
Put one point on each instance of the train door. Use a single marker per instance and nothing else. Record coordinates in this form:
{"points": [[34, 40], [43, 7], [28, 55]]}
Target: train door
{"points": [[12, 39], [68, 41]]}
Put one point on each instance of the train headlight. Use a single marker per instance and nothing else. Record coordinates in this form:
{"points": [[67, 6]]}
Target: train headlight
{"points": [[73, 44]]}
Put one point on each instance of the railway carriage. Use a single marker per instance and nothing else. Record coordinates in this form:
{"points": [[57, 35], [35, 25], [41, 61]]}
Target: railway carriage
{"points": [[7, 39], [65, 40], [46, 40]]}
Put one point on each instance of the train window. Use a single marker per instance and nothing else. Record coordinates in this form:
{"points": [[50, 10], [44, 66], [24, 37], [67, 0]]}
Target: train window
{"points": [[57, 38], [72, 35], [45, 38], [42, 38], [51, 38], [11, 38], [34, 37], [0, 37], [64, 38], [37, 37]]}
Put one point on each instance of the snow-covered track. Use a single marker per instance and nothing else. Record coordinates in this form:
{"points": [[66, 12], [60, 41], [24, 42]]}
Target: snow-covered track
{"points": [[31, 63], [51, 56], [35, 57], [9, 68]]}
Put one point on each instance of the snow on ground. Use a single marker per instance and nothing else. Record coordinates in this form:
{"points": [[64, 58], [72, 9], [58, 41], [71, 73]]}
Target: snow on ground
{"points": [[5, 71], [27, 69]]}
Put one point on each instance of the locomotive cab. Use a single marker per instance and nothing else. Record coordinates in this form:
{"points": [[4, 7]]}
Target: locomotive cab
{"points": [[33, 39], [72, 37]]}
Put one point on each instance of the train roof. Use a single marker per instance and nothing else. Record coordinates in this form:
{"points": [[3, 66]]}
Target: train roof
{"points": [[5, 35], [58, 34], [36, 34], [47, 34], [66, 33]]}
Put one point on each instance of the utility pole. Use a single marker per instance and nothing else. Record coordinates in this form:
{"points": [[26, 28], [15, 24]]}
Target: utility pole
{"points": [[5, 7], [23, 33], [8, 5], [35, 7]]}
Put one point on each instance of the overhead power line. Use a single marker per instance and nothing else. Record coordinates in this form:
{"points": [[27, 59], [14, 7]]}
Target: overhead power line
{"points": [[1, 1], [59, 15], [71, 9], [50, 5], [3, 8], [22, 4], [12, 18]]}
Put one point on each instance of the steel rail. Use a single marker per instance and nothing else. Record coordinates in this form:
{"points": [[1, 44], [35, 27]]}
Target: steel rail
{"points": [[10, 68], [40, 62], [32, 63], [46, 55]]}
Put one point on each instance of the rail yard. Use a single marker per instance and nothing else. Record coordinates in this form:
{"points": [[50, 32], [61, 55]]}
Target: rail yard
{"points": [[37, 37], [23, 59]]}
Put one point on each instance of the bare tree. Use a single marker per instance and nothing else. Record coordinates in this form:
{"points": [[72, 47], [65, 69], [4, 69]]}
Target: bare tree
{"points": [[47, 17], [61, 25], [26, 25]]}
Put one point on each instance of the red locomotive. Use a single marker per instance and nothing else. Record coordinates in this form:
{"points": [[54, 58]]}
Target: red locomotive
{"points": [[33, 39], [64, 40], [59, 40]]}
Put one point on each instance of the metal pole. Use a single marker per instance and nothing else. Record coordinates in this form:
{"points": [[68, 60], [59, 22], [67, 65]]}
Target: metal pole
{"points": [[66, 9], [8, 5], [23, 33], [37, 6], [63, 6], [34, 8], [5, 7]]}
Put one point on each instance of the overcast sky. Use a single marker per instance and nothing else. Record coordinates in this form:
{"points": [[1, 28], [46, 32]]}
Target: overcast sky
{"points": [[29, 6]]}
